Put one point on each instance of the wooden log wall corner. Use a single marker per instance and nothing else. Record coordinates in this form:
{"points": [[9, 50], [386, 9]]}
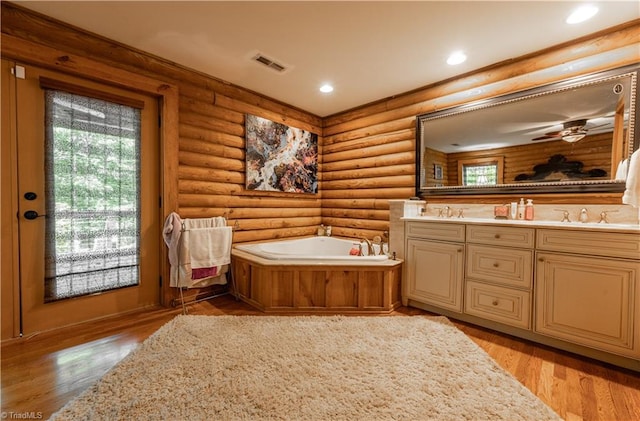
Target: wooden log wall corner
{"points": [[366, 155]]}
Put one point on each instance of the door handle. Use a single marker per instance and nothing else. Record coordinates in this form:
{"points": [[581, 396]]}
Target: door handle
{"points": [[31, 214]]}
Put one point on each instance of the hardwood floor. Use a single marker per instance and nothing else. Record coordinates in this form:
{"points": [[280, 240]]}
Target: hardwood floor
{"points": [[43, 372]]}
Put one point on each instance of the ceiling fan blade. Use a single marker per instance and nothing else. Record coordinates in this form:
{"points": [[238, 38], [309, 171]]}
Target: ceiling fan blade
{"points": [[546, 137], [595, 127]]}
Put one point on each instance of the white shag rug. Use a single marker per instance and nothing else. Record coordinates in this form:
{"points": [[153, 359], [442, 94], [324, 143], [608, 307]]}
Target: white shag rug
{"points": [[307, 368]]}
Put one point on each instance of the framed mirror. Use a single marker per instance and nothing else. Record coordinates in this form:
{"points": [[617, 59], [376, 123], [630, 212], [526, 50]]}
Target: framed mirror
{"points": [[569, 136]]}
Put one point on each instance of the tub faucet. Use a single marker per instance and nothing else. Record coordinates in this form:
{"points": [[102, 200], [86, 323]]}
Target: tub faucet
{"points": [[369, 247]]}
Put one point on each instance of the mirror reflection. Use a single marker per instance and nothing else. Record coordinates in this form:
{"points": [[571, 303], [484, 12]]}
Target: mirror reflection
{"points": [[568, 136]]}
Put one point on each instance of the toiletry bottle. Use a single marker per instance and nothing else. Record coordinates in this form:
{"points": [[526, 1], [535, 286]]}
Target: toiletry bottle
{"points": [[327, 230], [521, 209], [528, 210], [321, 230], [513, 208]]}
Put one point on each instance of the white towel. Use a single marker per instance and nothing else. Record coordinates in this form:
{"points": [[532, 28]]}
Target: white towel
{"points": [[171, 234], [209, 247], [631, 194], [621, 172], [177, 236], [192, 223]]}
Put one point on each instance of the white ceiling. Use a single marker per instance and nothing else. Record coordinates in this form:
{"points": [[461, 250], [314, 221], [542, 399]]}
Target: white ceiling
{"points": [[367, 50]]}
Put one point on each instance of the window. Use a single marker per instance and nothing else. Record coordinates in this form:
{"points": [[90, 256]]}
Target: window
{"points": [[92, 195], [480, 171]]}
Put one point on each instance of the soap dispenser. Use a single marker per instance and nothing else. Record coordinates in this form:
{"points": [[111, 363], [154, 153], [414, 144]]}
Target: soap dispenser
{"points": [[521, 209], [528, 210]]}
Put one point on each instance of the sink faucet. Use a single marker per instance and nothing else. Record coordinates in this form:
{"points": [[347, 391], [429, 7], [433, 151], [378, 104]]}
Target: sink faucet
{"points": [[448, 211], [369, 247], [565, 215]]}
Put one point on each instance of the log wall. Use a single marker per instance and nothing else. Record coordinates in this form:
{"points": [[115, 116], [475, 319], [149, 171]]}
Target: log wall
{"points": [[593, 151], [210, 172], [367, 155]]}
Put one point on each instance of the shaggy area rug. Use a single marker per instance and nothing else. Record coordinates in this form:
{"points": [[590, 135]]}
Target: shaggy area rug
{"points": [[307, 368]]}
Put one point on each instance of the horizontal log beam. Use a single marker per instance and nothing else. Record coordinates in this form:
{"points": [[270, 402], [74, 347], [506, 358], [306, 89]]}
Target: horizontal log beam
{"points": [[236, 201], [381, 215], [369, 183], [370, 151], [355, 203], [382, 161], [404, 169]]}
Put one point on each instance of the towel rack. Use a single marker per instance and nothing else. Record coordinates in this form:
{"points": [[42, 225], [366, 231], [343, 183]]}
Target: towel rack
{"points": [[230, 287]]}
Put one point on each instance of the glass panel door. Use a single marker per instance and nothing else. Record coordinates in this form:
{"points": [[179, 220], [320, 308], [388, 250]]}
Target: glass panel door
{"points": [[88, 216]]}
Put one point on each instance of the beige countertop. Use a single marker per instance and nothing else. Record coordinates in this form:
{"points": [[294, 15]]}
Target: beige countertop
{"points": [[589, 226]]}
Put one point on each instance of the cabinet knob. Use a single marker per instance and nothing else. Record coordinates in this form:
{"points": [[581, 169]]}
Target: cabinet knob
{"points": [[460, 250], [496, 236], [495, 302], [496, 264], [540, 259]]}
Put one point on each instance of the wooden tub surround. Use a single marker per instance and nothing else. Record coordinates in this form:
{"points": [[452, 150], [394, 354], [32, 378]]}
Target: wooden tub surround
{"points": [[316, 286]]}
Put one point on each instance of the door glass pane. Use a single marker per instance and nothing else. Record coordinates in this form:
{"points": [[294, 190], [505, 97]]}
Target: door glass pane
{"points": [[92, 195]]}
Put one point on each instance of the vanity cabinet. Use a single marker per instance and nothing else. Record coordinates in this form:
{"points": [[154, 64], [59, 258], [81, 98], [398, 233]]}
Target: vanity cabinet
{"points": [[587, 289], [498, 281], [573, 288], [435, 253]]}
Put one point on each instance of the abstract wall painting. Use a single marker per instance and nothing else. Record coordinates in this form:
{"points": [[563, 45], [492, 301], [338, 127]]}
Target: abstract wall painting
{"points": [[279, 157]]}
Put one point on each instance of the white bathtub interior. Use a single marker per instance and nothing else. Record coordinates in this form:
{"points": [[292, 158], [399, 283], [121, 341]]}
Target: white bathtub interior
{"points": [[311, 248]]}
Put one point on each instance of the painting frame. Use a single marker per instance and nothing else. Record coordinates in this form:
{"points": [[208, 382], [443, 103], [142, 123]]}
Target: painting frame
{"points": [[279, 157]]}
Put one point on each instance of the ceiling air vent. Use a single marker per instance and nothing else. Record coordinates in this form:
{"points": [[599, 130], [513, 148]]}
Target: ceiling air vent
{"points": [[269, 63]]}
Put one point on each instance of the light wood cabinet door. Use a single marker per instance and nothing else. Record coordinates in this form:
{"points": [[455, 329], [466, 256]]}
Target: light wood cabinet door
{"points": [[589, 301], [435, 272]]}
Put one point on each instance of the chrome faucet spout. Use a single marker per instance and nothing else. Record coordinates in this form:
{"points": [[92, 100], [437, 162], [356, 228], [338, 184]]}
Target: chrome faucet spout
{"points": [[369, 246]]}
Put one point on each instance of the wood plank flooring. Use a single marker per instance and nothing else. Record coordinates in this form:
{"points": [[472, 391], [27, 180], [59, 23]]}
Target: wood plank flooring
{"points": [[43, 372]]}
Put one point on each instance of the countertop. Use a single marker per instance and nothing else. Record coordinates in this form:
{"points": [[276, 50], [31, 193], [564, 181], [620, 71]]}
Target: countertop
{"points": [[587, 226]]}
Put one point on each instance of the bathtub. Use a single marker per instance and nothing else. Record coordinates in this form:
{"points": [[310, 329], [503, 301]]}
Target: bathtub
{"points": [[315, 275], [326, 249]]}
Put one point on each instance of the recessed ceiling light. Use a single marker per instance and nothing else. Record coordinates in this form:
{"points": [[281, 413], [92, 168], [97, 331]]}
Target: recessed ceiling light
{"points": [[456, 57], [582, 13], [326, 88]]}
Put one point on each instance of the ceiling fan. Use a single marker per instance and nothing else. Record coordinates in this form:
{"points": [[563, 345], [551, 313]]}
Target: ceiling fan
{"points": [[572, 131]]}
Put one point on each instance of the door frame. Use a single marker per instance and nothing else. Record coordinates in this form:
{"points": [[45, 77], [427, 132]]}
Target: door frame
{"points": [[30, 53]]}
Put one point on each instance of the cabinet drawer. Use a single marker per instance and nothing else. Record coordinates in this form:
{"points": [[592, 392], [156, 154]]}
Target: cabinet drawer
{"points": [[500, 304], [613, 244], [436, 231], [506, 266], [501, 236]]}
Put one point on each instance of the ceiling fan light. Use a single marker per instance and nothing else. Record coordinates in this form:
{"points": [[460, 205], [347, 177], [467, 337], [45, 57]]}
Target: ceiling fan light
{"points": [[571, 138]]}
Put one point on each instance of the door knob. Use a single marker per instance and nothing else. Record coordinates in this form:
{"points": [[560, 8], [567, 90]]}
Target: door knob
{"points": [[31, 214], [30, 195]]}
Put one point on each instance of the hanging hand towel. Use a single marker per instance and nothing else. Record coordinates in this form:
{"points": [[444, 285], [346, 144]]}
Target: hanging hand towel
{"points": [[621, 172], [210, 247], [171, 234], [632, 193]]}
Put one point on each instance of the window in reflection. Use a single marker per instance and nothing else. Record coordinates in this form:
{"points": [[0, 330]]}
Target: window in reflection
{"points": [[480, 171]]}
